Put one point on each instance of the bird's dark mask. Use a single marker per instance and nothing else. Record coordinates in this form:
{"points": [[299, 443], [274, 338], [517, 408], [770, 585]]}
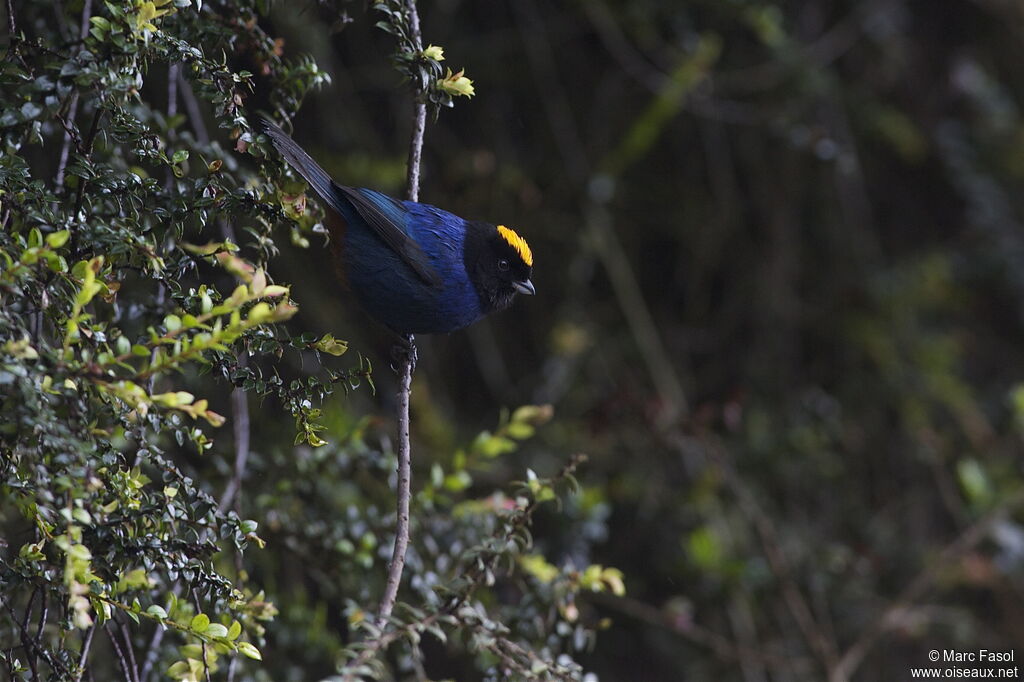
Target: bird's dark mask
{"points": [[499, 263]]}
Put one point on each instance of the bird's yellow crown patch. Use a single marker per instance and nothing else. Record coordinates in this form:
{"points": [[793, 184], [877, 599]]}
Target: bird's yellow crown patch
{"points": [[517, 243]]}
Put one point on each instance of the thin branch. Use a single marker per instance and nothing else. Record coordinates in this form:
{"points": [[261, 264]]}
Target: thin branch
{"points": [[30, 648], [65, 149], [240, 427], [153, 650], [419, 125], [195, 113], [43, 613], [12, 25], [172, 89], [90, 138], [83, 26], [407, 363], [119, 653], [404, 493], [206, 662], [172, 111], [84, 656], [126, 634]]}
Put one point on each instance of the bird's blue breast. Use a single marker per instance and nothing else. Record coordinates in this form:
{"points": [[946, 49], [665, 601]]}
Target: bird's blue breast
{"points": [[390, 290]]}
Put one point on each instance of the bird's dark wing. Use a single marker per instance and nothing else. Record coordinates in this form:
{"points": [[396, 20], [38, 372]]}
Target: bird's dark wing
{"points": [[382, 213], [387, 216]]}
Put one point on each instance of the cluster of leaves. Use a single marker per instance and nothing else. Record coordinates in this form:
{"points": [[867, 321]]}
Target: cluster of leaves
{"points": [[138, 315], [496, 558], [480, 591], [421, 65]]}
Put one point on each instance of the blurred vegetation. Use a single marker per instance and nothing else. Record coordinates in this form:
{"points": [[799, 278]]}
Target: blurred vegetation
{"points": [[779, 255]]}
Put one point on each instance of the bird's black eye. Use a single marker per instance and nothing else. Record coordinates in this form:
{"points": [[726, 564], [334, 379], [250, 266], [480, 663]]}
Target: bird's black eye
{"points": [[503, 265]]}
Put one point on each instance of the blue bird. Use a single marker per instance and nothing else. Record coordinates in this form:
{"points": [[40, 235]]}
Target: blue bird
{"points": [[415, 268]]}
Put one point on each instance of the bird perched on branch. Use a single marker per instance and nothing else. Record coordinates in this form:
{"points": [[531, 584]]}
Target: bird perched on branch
{"points": [[416, 268]]}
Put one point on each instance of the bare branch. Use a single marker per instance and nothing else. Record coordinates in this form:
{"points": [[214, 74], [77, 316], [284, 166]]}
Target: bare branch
{"points": [[130, 650], [404, 493], [90, 138], [195, 114], [152, 651], [240, 427], [84, 656], [407, 363], [119, 653], [12, 25], [65, 149], [419, 124]]}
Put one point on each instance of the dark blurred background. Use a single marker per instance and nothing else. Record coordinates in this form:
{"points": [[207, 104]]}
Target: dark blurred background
{"points": [[779, 272]]}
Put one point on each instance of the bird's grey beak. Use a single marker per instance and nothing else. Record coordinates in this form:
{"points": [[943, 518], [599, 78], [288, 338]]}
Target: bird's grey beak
{"points": [[525, 287]]}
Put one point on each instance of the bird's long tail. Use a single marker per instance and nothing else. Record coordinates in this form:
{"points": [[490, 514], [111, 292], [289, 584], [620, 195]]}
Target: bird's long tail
{"points": [[321, 183], [309, 169]]}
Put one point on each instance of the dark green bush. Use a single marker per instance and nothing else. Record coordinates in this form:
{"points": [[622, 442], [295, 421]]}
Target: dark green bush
{"points": [[145, 345]]}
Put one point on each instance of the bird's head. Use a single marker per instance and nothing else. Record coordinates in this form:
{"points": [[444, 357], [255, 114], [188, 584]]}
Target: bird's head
{"points": [[499, 262]]}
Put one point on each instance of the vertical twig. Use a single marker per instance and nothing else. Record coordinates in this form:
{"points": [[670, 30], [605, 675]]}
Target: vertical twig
{"points": [[239, 400], [419, 125], [195, 113], [407, 366], [84, 656], [172, 110], [83, 27], [119, 653], [153, 650], [30, 651], [44, 612], [130, 650], [240, 427], [12, 25], [82, 182], [407, 363], [65, 150]]}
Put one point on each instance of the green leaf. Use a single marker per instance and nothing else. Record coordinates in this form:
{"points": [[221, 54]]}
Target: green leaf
{"points": [[200, 623], [179, 670], [249, 650], [975, 481], [157, 612], [58, 239], [331, 345], [519, 430], [216, 630]]}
